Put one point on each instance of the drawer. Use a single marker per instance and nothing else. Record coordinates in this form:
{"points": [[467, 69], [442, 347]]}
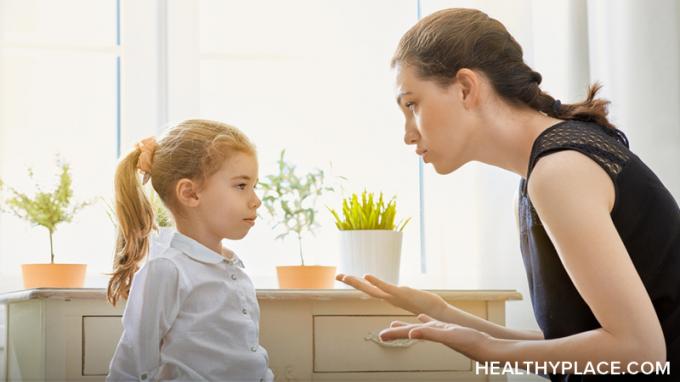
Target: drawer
{"points": [[100, 338], [343, 344]]}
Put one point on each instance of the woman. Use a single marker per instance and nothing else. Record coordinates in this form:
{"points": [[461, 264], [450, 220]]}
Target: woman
{"points": [[600, 234]]}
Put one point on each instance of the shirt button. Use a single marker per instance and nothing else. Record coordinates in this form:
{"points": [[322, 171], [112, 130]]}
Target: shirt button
{"points": [[244, 311], [143, 376], [233, 277], [253, 349]]}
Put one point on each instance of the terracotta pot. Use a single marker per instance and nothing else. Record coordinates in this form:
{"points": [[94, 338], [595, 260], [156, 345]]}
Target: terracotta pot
{"points": [[306, 277], [53, 275]]}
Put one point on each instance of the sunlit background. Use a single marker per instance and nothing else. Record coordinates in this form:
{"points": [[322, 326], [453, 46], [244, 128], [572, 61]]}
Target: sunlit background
{"points": [[86, 79]]}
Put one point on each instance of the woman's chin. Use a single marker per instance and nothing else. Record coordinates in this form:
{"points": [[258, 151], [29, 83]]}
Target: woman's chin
{"points": [[444, 168]]}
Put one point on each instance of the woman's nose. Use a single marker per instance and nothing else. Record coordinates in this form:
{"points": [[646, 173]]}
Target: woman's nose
{"points": [[410, 136]]}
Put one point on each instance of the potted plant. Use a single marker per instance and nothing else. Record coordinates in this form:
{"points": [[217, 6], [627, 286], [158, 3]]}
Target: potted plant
{"points": [[49, 209], [370, 242], [291, 201]]}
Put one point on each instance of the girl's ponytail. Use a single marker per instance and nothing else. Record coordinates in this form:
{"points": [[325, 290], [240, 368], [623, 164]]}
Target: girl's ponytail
{"points": [[135, 222]]}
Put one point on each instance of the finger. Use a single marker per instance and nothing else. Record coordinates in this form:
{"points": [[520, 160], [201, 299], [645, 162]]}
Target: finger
{"points": [[396, 324], [428, 333], [387, 287], [400, 332], [363, 286], [425, 318]]}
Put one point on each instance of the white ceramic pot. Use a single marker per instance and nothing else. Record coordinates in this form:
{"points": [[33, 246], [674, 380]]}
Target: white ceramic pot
{"points": [[377, 252]]}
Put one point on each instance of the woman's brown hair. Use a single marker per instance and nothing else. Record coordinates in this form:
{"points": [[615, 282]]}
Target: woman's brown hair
{"points": [[194, 149], [451, 39]]}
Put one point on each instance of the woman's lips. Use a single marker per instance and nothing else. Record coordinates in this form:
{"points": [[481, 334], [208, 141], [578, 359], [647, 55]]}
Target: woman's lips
{"points": [[250, 221]]}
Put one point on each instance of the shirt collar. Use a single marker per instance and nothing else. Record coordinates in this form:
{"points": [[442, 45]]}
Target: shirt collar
{"points": [[199, 252]]}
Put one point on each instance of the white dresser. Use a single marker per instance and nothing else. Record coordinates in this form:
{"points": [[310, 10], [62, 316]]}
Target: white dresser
{"points": [[319, 335]]}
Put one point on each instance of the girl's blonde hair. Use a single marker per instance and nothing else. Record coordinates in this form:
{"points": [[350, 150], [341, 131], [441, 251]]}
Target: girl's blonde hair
{"points": [[194, 149]]}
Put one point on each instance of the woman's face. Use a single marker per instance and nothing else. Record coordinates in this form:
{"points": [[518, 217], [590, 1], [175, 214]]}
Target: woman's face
{"points": [[437, 119]]}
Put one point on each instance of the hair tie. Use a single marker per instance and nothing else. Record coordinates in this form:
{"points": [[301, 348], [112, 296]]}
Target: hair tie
{"points": [[556, 107], [147, 147]]}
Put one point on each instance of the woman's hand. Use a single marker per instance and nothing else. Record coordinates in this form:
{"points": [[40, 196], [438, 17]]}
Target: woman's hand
{"points": [[470, 342], [414, 300]]}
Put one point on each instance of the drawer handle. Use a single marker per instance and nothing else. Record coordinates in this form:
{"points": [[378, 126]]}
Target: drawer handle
{"points": [[400, 343]]}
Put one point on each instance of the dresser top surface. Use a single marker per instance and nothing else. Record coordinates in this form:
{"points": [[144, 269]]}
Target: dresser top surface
{"points": [[266, 294]]}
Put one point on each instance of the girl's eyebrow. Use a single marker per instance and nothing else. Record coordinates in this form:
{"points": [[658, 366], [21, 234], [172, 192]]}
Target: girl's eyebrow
{"points": [[244, 177]]}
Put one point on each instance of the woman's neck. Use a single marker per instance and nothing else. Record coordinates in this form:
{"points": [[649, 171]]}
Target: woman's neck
{"points": [[507, 136]]}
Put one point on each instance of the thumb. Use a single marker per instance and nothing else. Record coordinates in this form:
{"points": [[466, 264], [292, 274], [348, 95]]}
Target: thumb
{"points": [[428, 333]]}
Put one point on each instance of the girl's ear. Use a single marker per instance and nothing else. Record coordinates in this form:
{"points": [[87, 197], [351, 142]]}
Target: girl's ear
{"points": [[469, 82], [187, 192]]}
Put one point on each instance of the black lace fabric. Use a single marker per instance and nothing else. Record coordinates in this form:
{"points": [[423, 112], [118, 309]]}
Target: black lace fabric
{"points": [[608, 147]]}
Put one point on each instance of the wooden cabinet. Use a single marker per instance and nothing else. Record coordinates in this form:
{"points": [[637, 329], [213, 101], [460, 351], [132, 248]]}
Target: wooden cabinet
{"points": [[59, 334]]}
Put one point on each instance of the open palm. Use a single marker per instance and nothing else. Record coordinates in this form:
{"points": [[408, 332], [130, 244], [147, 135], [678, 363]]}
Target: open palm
{"points": [[413, 300]]}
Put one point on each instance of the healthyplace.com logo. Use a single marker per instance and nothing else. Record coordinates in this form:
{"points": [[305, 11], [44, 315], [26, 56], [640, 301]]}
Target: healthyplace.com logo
{"points": [[567, 367]]}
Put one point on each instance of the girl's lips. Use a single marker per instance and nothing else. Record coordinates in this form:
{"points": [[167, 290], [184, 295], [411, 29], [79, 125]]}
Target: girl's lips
{"points": [[250, 221]]}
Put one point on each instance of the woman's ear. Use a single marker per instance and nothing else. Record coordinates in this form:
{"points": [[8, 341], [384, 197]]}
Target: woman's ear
{"points": [[469, 82], [186, 191]]}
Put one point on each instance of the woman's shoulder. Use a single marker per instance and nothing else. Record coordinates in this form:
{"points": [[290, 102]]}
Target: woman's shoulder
{"points": [[606, 147], [570, 178]]}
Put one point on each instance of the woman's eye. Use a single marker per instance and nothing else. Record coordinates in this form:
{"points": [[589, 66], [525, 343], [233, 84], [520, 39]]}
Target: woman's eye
{"points": [[242, 186], [410, 105]]}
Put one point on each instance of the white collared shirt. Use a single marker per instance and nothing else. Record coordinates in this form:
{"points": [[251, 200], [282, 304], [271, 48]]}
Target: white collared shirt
{"points": [[191, 315]]}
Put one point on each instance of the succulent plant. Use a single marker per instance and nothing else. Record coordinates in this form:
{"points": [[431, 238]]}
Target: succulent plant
{"points": [[368, 214]]}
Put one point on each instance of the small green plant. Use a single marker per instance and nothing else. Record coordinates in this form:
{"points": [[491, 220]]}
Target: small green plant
{"points": [[291, 199], [368, 214], [163, 216], [161, 213], [46, 209]]}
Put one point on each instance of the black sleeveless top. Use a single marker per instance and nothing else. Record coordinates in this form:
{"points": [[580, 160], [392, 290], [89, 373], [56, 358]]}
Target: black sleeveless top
{"points": [[647, 219]]}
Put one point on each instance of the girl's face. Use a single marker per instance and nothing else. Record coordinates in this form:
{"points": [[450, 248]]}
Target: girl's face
{"points": [[438, 121], [228, 200]]}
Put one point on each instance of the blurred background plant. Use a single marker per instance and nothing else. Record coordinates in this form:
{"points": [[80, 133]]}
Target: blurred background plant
{"points": [[291, 199], [45, 209], [160, 212]]}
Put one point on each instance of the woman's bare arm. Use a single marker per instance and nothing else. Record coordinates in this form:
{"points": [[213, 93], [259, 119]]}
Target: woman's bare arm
{"points": [[573, 197]]}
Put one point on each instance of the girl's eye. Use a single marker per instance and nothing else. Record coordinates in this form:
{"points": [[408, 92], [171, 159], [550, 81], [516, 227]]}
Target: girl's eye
{"points": [[409, 105], [242, 186]]}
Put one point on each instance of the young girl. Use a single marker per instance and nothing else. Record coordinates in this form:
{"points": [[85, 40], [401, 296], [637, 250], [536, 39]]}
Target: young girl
{"points": [[599, 232], [191, 311]]}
